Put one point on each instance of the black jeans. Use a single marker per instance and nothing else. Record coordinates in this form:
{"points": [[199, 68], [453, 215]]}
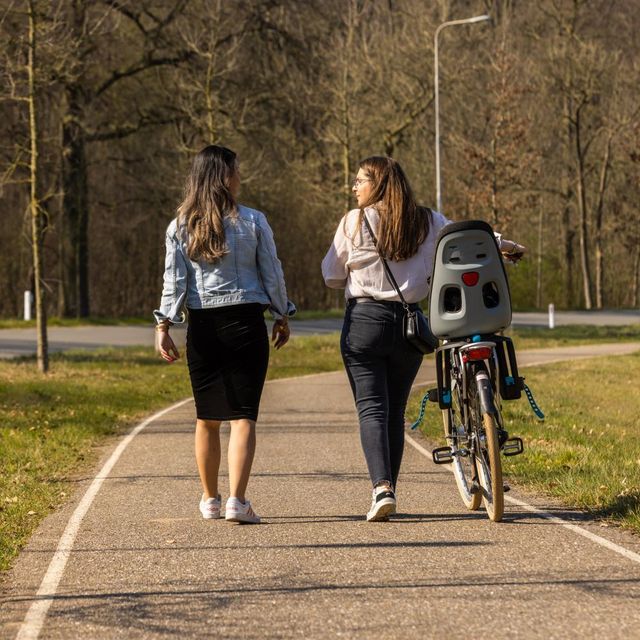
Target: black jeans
{"points": [[381, 366]]}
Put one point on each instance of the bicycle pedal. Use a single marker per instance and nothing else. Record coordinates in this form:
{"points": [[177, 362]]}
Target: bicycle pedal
{"points": [[474, 488], [513, 447], [506, 487], [442, 455]]}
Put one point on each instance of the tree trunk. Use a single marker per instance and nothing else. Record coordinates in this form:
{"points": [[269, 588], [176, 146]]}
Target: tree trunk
{"points": [[75, 210], [37, 221], [346, 111], [583, 212], [346, 158], [635, 285], [495, 220], [567, 231], [210, 99], [74, 254], [346, 106], [539, 261], [599, 251]]}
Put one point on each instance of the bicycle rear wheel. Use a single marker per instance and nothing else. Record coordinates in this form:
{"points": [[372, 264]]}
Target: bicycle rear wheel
{"points": [[490, 470], [460, 441], [486, 446]]}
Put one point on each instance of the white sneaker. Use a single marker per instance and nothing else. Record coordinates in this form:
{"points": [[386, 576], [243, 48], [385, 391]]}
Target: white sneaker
{"points": [[383, 504], [236, 511], [210, 508]]}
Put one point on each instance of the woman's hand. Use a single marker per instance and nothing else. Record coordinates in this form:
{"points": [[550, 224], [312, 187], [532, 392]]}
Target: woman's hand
{"points": [[513, 251], [166, 346], [280, 333]]}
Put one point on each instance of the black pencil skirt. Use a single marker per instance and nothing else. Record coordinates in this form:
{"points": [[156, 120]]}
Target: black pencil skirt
{"points": [[228, 355]]}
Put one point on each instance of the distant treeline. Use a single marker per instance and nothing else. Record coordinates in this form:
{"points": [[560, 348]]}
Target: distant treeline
{"points": [[538, 111]]}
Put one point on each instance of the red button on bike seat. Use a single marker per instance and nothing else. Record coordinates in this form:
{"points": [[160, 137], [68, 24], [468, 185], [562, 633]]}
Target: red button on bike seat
{"points": [[471, 278]]}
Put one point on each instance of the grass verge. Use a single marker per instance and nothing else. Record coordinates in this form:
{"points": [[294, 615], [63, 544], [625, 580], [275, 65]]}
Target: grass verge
{"points": [[542, 337], [587, 451], [50, 426]]}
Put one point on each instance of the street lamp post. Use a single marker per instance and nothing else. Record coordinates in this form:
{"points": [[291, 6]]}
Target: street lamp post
{"points": [[451, 23]]}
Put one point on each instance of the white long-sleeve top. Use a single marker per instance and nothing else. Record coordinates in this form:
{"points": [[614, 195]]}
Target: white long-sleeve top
{"points": [[353, 263]]}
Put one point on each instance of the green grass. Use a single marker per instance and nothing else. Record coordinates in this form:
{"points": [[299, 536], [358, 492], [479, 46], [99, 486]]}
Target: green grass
{"points": [[306, 354], [587, 451], [50, 426], [542, 337], [318, 315]]}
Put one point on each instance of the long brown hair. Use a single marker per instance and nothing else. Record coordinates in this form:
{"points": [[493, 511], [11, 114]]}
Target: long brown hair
{"points": [[403, 225], [207, 201]]}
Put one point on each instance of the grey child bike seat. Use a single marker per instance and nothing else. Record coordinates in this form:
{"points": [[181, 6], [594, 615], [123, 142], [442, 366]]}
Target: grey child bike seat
{"points": [[469, 288]]}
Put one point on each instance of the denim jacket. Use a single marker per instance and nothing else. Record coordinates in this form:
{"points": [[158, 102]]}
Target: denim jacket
{"points": [[250, 272]]}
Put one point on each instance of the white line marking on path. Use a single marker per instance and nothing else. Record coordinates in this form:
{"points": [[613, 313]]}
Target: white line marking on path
{"points": [[35, 617], [37, 613], [627, 553]]}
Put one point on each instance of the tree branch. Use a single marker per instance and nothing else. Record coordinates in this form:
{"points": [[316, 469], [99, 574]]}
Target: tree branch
{"points": [[143, 65]]}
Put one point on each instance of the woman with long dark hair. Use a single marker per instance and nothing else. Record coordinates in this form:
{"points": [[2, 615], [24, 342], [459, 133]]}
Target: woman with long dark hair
{"points": [[380, 362], [221, 265]]}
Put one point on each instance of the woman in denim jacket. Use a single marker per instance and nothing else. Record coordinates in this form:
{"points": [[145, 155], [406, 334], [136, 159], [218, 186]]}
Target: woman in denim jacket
{"points": [[221, 264], [380, 363]]}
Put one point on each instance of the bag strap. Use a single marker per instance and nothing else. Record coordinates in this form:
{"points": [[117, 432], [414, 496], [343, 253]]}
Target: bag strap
{"points": [[387, 269]]}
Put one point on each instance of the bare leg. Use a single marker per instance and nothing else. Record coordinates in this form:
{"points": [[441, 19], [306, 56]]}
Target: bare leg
{"points": [[208, 455], [242, 446]]}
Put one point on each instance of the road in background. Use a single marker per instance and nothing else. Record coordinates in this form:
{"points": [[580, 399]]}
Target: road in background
{"points": [[22, 342]]}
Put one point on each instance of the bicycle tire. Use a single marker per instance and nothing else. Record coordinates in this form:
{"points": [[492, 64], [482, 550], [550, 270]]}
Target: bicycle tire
{"points": [[490, 471], [487, 448], [464, 467]]}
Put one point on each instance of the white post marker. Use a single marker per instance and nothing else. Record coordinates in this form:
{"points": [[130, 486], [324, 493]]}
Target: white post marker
{"points": [[28, 302], [552, 316]]}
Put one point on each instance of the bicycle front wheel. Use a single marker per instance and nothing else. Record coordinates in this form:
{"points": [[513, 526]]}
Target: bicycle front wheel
{"points": [[460, 441]]}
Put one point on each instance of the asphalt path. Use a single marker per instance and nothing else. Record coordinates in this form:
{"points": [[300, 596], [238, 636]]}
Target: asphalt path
{"points": [[22, 342], [130, 557]]}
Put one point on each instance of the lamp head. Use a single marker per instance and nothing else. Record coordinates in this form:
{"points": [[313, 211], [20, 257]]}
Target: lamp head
{"points": [[480, 18]]}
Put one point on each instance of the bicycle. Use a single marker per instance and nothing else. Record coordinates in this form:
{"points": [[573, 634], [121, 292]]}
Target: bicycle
{"points": [[476, 367]]}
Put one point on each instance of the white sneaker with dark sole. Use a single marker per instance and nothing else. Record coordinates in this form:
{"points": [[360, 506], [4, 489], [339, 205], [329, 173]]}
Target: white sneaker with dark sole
{"points": [[383, 505], [210, 508], [236, 511]]}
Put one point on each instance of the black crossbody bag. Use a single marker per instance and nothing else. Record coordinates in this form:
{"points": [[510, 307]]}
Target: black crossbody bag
{"points": [[415, 327]]}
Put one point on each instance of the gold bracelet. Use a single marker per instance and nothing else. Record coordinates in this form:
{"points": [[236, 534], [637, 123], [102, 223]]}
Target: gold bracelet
{"points": [[163, 327]]}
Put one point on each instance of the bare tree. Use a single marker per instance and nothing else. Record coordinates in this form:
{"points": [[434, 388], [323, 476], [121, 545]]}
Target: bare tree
{"points": [[38, 224], [26, 79], [87, 92]]}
